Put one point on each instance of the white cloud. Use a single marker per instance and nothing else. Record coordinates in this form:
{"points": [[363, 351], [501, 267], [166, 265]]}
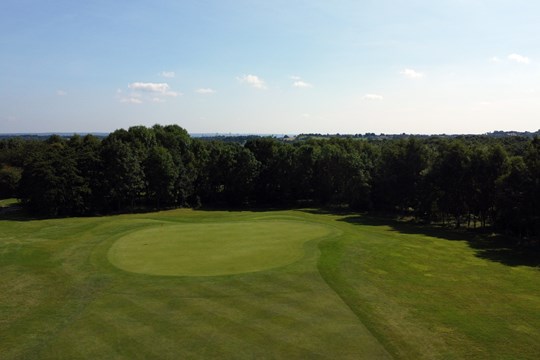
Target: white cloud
{"points": [[375, 97], [519, 58], [205, 91], [306, 116], [161, 88], [253, 81], [167, 74], [131, 100], [411, 74], [61, 93], [495, 59], [301, 84], [146, 92]]}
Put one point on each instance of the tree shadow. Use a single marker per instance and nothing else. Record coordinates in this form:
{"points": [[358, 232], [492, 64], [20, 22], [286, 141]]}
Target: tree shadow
{"points": [[337, 210], [20, 213], [498, 248], [15, 213], [241, 208]]}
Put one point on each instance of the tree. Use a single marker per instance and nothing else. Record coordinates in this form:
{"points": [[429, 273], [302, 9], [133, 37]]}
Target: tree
{"points": [[511, 203], [302, 177], [271, 185], [400, 175], [124, 178], [161, 174], [9, 180], [487, 166], [228, 174], [51, 183], [451, 180], [342, 173], [86, 151], [179, 144]]}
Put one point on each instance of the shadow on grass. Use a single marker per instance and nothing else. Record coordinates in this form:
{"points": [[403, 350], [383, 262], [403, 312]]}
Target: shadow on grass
{"points": [[19, 213], [240, 208], [497, 248], [14, 213]]}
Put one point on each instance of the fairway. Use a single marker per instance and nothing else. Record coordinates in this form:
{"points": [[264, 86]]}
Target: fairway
{"points": [[268, 285], [213, 249]]}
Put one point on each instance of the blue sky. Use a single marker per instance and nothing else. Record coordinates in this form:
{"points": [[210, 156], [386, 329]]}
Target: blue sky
{"points": [[448, 66]]}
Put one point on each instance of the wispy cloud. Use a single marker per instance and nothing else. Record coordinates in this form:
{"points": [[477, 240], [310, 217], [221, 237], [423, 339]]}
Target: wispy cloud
{"points": [[253, 81], [519, 58], [411, 74], [299, 83], [167, 74], [161, 88], [131, 100], [375, 97], [142, 92], [61, 93], [495, 59], [205, 91]]}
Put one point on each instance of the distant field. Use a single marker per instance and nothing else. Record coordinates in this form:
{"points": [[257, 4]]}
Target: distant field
{"points": [[279, 284]]}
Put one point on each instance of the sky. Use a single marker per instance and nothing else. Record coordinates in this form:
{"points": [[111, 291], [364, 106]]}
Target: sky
{"points": [[270, 67]]}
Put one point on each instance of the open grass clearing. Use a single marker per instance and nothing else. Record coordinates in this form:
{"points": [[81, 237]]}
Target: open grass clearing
{"points": [[362, 290]]}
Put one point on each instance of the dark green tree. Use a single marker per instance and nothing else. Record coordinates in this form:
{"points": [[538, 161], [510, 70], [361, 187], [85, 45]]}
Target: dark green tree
{"points": [[487, 166], [512, 200], [51, 183], [272, 185], [123, 174], [450, 176], [179, 144], [400, 175], [161, 174], [9, 180]]}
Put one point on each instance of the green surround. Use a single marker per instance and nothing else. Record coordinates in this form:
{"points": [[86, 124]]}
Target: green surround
{"points": [[220, 248]]}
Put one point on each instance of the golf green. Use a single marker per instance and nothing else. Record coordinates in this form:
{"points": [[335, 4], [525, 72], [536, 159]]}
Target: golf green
{"points": [[214, 248]]}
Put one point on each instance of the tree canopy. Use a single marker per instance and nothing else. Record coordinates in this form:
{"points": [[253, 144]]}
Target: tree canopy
{"points": [[480, 181]]}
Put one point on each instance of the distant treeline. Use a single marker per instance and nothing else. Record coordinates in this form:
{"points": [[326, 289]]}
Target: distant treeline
{"points": [[473, 181], [373, 136]]}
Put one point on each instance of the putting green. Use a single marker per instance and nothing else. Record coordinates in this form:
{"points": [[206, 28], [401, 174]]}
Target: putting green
{"points": [[213, 248]]}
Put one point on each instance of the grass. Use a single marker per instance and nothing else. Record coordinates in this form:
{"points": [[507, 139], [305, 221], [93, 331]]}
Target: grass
{"points": [[280, 284], [219, 248], [427, 293], [4, 203]]}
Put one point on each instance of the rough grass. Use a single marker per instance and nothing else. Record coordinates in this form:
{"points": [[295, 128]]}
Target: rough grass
{"points": [[362, 290], [430, 294]]}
